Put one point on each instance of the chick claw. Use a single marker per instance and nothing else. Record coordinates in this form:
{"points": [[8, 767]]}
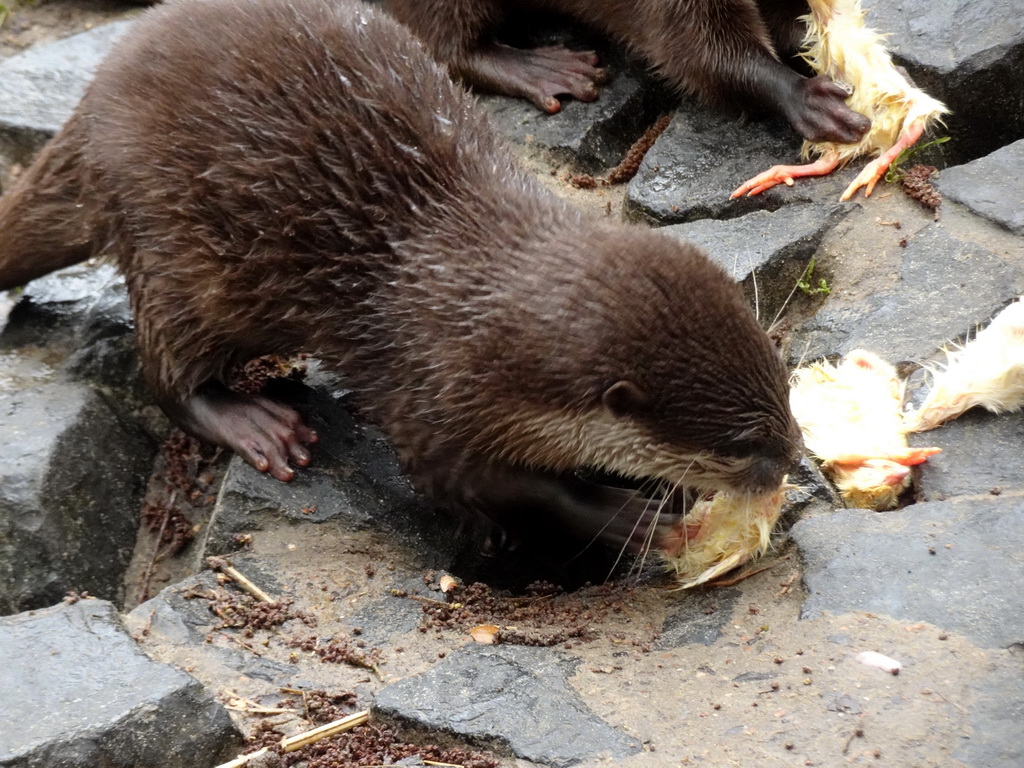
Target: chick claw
{"points": [[873, 171], [785, 174]]}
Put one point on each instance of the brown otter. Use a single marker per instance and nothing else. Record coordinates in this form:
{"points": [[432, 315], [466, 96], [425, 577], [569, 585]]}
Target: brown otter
{"points": [[727, 52], [275, 177]]}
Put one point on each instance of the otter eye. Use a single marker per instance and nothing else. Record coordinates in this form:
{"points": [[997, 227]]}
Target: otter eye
{"points": [[624, 398]]}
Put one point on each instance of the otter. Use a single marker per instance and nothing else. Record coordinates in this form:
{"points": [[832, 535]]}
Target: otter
{"points": [[729, 53], [283, 177]]}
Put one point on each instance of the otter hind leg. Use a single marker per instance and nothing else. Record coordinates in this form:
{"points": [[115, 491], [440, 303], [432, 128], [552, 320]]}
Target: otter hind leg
{"points": [[44, 222]]}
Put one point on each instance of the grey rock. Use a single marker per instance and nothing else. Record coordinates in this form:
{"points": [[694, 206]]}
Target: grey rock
{"points": [[995, 719], [76, 691], [698, 618], [703, 156], [968, 53], [354, 477], [944, 287], [40, 87], [765, 251], [480, 692], [980, 452], [991, 186], [71, 473], [897, 564]]}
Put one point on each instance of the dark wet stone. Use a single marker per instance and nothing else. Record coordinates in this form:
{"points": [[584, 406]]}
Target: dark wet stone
{"points": [[898, 564], [980, 453], [944, 288], [703, 156], [996, 716], [69, 306], [75, 690], [765, 251], [698, 618], [354, 477], [382, 621], [72, 473], [40, 87], [969, 54], [480, 694], [991, 186]]}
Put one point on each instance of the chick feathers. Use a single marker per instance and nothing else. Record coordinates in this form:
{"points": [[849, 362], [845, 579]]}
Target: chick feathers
{"points": [[987, 371], [851, 419], [721, 533], [839, 44]]}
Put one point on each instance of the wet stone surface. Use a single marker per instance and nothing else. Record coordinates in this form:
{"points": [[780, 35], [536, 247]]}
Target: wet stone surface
{"points": [[991, 186], [482, 692], [930, 562], [72, 474], [76, 690]]}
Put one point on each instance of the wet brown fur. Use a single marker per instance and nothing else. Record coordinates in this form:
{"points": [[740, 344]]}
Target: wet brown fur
{"points": [[280, 177]]}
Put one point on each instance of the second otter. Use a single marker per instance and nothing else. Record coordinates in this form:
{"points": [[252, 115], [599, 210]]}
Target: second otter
{"points": [[282, 177]]}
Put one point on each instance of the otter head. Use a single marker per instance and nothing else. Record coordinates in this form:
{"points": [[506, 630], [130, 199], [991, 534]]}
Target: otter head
{"points": [[656, 368]]}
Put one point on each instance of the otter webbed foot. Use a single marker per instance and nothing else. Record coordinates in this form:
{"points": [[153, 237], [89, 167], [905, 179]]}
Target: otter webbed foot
{"points": [[538, 75], [267, 435]]}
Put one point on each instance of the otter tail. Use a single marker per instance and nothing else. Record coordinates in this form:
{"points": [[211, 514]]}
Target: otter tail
{"points": [[44, 222]]}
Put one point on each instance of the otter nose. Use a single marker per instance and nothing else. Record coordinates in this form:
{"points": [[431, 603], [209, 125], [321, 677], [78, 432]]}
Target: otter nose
{"points": [[766, 472]]}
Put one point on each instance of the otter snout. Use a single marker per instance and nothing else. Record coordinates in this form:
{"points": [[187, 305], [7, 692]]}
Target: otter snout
{"points": [[765, 473]]}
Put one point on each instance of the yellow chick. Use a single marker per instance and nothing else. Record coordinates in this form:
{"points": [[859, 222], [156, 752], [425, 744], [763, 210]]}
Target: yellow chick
{"points": [[851, 419], [838, 44], [721, 533], [988, 371]]}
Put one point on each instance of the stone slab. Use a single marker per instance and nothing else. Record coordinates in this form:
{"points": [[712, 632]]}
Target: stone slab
{"points": [[991, 186], [943, 288], [75, 690], [765, 251], [480, 694], [954, 564]]}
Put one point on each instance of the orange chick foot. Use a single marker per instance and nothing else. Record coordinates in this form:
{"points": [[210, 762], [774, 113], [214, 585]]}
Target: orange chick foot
{"points": [[786, 174], [873, 171]]}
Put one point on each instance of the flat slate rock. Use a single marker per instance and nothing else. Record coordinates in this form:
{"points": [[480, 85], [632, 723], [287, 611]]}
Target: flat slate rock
{"points": [[991, 186], [945, 286], [766, 251], [481, 692], [980, 454], [76, 690], [996, 716], [67, 519], [40, 87], [703, 156], [956, 564], [970, 54], [698, 618]]}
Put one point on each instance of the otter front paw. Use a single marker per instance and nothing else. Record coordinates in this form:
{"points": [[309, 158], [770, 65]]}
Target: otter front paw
{"points": [[819, 113]]}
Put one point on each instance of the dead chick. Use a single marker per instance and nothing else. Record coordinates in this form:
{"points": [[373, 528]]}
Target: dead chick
{"points": [[851, 419], [840, 45]]}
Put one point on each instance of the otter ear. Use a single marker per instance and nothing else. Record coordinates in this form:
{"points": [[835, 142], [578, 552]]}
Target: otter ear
{"points": [[624, 398]]}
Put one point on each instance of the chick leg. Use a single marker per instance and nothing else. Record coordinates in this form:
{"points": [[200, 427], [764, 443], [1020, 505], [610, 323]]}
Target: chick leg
{"points": [[785, 174], [872, 172]]}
